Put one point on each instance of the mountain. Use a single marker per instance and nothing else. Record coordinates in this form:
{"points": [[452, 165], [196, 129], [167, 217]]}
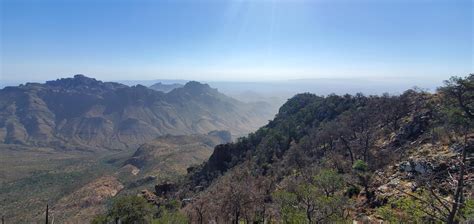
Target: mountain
{"points": [[165, 87], [390, 158], [85, 113]]}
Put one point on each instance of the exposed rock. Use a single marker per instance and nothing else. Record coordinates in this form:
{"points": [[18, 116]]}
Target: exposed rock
{"points": [[419, 166], [413, 129], [457, 148], [148, 195]]}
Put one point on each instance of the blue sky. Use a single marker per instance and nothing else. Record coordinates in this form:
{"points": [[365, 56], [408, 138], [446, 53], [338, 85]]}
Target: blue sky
{"points": [[236, 40]]}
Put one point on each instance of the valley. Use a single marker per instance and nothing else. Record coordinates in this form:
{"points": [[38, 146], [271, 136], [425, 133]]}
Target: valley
{"points": [[76, 143], [236, 112]]}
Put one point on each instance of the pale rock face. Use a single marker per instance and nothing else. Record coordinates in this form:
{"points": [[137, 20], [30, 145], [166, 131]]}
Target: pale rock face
{"points": [[415, 166]]}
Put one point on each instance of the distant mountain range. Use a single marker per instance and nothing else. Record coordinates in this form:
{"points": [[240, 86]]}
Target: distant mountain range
{"points": [[165, 87], [85, 113]]}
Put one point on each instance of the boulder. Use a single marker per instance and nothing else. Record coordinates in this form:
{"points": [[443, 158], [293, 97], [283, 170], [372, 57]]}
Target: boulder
{"points": [[416, 166]]}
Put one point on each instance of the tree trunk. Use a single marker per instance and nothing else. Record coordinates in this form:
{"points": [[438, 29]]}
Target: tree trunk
{"points": [[346, 144], [458, 195], [200, 217], [47, 213], [308, 214]]}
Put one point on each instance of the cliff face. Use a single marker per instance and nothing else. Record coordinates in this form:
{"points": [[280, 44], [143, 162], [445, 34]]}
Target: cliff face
{"points": [[85, 113]]}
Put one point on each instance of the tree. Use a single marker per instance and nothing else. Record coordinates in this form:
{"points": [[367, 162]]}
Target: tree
{"points": [[240, 195], [329, 181], [131, 209], [361, 169], [317, 200], [461, 91], [406, 210], [170, 215], [289, 208], [457, 107]]}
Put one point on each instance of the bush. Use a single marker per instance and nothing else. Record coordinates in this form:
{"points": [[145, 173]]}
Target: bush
{"points": [[360, 165], [100, 219], [131, 209], [170, 216], [352, 191], [404, 210]]}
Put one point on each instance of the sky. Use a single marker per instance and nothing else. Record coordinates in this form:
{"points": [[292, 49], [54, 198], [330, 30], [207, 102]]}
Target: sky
{"points": [[241, 40]]}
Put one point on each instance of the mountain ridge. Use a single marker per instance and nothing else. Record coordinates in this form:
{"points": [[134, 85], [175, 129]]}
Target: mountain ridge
{"points": [[82, 112]]}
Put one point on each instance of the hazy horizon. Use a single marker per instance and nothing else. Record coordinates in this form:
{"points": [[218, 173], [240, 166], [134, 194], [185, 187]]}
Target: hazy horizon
{"points": [[236, 40], [283, 89]]}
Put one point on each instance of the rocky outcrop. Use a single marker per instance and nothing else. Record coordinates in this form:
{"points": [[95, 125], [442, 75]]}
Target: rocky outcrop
{"points": [[413, 129], [416, 166]]}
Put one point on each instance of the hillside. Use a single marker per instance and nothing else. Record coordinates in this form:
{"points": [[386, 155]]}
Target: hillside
{"points": [[85, 113], [78, 185], [170, 156], [336, 158]]}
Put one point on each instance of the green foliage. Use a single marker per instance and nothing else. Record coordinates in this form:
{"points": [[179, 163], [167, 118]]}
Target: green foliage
{"points": [[168, 213], [352, 191], [328, 181], [101, 219], [335, 131], [289, 210], [458, 100], [467, 211], [404, 210], [131, 209], [360, 165], [315, 200], [170, 216], [361, 169], [136, 210]]}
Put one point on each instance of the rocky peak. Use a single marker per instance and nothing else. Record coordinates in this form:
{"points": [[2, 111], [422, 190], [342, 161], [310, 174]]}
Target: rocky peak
{"points": [[82, 82], [165, 87], [78, 79], [194, 86], [193, 90]]}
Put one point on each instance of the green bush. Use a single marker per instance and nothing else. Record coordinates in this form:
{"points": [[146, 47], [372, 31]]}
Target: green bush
{"points": [[131, 209], [360, 165], [289, 210], [352, 191], [467, 211], [403, 210], [170, 216], [100, 219]]}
